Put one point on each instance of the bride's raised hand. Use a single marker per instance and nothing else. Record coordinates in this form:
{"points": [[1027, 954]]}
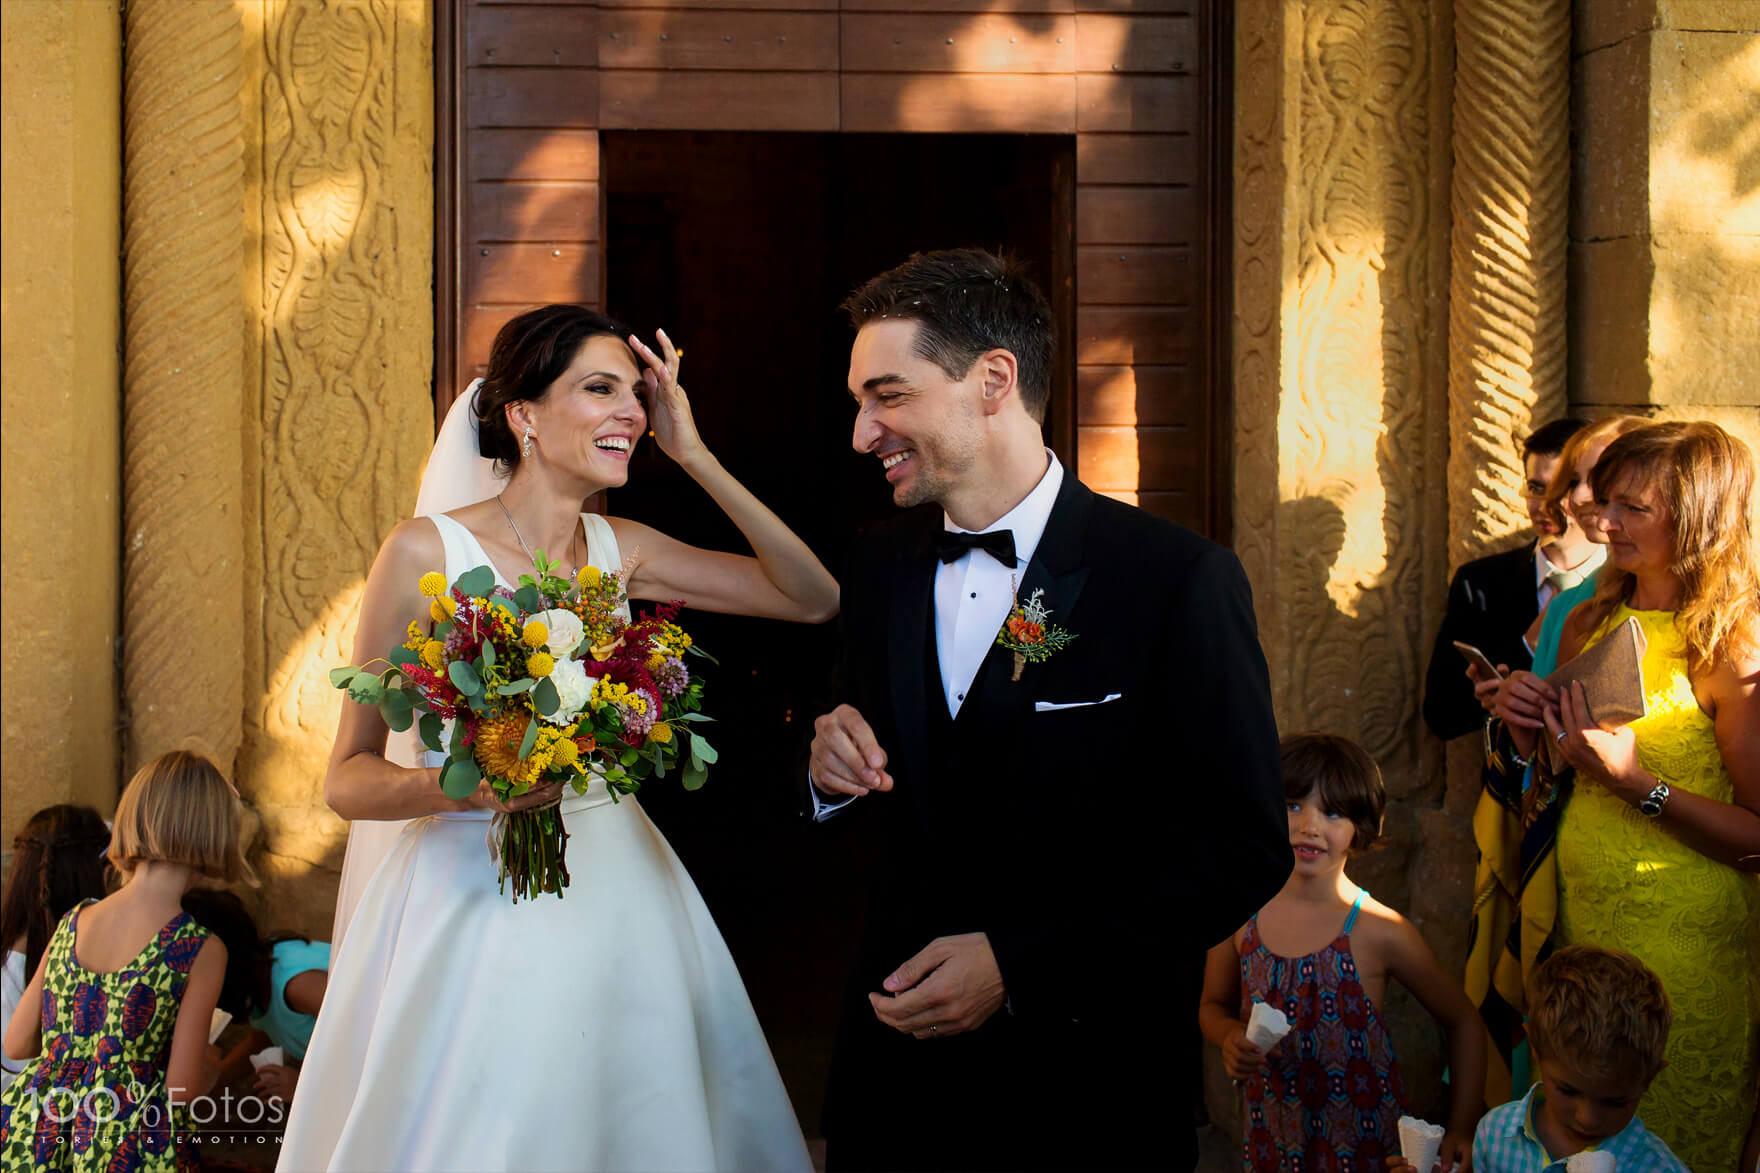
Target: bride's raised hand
{"points": [[669, 411]]}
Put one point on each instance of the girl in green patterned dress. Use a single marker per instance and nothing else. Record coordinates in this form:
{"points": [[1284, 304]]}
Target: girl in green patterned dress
{"points": [[118, 1011]]}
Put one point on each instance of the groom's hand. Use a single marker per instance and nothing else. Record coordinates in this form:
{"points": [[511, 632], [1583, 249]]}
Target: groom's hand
{"points": [[846, 759], [952, 986]]}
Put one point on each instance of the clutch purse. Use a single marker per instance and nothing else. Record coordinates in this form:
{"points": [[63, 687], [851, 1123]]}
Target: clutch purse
{"points": [[1612, 675]]}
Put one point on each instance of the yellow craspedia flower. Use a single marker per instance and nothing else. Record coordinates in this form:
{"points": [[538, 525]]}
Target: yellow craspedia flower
{"points": [[566, 753], [535, 634], [588, 577], [661, 732], [434, 654], [442, 608], [540, 665], [433, 584]]}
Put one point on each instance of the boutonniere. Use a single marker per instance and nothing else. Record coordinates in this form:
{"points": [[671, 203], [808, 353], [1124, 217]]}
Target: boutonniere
{"points": [[1027, 634]]}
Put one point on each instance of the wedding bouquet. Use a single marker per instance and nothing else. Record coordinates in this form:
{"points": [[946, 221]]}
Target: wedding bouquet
{"points": [[547, 683]]}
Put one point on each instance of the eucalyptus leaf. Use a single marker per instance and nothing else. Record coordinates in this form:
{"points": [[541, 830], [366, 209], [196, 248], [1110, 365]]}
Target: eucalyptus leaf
{"points": [[464, 678], [702, 751], [694, 650], [529, 740], [366, 689], [544, 697], [695, 776], [456, 747], [396, 710], [459, 778], [403, 657], [526, 598], [488, 653], [478, 581], [523, 684], [339, 677], [691, 717], [430, 727]]}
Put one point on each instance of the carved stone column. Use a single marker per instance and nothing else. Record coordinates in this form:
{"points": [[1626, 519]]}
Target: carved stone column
{"points": [[339, 393], [1511, 201], [183, 238], [1341, 260]]}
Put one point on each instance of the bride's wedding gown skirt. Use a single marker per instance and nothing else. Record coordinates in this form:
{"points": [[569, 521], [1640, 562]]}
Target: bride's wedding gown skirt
{"points": [[608, 1030]]}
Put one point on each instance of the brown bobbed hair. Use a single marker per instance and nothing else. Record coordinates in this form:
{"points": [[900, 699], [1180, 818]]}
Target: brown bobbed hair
{"points": [[1601, 1011], [531, 352], [1704, 478], [1608, 427], [57, 861], [1347, 777], [179, 808], [965, 302]]}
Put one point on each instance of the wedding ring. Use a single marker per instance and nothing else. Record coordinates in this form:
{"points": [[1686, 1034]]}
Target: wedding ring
{"points": [[1561, 735], [932, 1028]]}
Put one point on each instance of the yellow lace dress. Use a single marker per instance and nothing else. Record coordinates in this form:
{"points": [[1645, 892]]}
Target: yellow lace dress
{"points": [[1625, 883]]}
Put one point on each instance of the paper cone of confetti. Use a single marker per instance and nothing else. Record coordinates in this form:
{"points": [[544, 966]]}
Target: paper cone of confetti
{"points": [[1419, 1142]]}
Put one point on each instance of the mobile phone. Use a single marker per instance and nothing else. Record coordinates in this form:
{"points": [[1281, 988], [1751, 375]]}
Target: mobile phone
{"points": [[1475, 656]]}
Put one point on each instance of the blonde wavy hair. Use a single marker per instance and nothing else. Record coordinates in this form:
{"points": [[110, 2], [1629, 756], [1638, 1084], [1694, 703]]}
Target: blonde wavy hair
{"points": [[1608, 427], [1704, 478], [180, 808]]}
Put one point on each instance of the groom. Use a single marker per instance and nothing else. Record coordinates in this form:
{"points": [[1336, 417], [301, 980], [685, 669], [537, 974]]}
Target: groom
{"points": [[1071, 819]]}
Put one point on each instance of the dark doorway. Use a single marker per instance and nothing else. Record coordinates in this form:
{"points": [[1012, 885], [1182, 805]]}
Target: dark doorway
{"points": [[742, 245]]}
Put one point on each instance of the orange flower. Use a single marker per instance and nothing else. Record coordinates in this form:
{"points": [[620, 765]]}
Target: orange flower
{"points": [[1024, 631]]}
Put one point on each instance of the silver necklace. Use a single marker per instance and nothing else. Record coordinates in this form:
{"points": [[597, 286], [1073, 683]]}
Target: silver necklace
{"points": [[522, 541]]}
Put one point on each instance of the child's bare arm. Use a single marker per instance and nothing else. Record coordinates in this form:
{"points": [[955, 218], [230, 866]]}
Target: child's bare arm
{"points": [[1410, 961], [24, 1031], [193, 1065], [1216, 1012]]}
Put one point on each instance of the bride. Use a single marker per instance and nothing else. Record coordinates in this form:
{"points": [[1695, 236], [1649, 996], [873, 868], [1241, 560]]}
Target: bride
{"points": [[608, 1030]]}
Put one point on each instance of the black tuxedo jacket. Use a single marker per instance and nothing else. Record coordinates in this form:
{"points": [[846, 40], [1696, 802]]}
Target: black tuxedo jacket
{"points": [[1103, 848], [1491, 602]]}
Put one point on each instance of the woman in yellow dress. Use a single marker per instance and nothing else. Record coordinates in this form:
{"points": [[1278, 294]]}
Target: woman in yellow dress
{"points": [[1659, 843]]}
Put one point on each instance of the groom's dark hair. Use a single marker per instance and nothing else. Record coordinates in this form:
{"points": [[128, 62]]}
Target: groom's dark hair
{"points": [[966, 301], [531, 352]]}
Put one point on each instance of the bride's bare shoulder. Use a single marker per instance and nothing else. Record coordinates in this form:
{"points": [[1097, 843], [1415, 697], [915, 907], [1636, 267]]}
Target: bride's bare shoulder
{"points": [[413, 542]]}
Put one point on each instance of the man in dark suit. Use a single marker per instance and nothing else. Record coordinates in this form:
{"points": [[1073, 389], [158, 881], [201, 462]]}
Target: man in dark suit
{"points": [[1067, 828], [1492, 601]]}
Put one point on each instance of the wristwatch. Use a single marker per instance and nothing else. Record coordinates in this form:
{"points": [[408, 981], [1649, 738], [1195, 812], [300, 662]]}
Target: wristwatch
{"points": [[1651, 804]]}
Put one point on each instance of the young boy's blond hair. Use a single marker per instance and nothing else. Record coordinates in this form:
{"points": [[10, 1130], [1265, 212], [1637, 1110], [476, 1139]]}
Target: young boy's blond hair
{"points": [[1602, 1011], [180, 808]]}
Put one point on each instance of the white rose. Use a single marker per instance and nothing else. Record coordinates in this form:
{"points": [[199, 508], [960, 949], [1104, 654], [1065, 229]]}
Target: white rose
{"points": [[565, 630], [573, 687]]}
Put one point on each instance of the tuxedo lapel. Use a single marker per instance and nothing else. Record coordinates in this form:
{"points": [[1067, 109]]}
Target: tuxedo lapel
{"points": [[908, 632], [1058, 569]]}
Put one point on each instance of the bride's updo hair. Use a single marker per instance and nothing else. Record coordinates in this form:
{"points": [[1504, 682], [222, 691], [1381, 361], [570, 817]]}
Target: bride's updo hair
{"points": [[531, 352]]}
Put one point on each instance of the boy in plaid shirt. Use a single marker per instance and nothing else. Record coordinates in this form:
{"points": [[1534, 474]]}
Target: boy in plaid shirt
{"points": [[1597, 1023]]}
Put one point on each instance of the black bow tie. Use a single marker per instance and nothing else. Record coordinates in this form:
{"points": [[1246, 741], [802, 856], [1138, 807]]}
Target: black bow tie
{"points": [[955, 544]]}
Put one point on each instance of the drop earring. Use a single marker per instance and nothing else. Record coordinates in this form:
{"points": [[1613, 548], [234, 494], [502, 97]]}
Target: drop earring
{"points": [[527, 450]]}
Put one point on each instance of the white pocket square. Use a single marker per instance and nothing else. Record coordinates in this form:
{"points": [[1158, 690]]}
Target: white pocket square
{"points": [[1054, 706]]}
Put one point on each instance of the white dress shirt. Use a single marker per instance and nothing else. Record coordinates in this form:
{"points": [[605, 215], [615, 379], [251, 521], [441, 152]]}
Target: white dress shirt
{"points": [[1545, 592], [973, 596]]}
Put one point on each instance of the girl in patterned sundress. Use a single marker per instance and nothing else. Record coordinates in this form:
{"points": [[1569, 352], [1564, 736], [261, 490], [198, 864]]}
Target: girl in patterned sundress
{"points": [[1329, 1095], [118, 1011]]}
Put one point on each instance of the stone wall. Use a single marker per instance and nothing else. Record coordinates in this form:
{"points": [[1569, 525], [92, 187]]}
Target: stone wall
{"points": [[1665, 223], [61, 152]]}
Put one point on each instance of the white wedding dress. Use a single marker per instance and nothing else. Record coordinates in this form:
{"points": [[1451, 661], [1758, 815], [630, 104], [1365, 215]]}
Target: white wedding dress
{"points": [[607, 1030]]}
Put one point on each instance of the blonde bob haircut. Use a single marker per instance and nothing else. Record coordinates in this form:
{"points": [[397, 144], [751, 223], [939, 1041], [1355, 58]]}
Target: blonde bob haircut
{"points": [[1704, 478], [1600, 432], [179, 808]]}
